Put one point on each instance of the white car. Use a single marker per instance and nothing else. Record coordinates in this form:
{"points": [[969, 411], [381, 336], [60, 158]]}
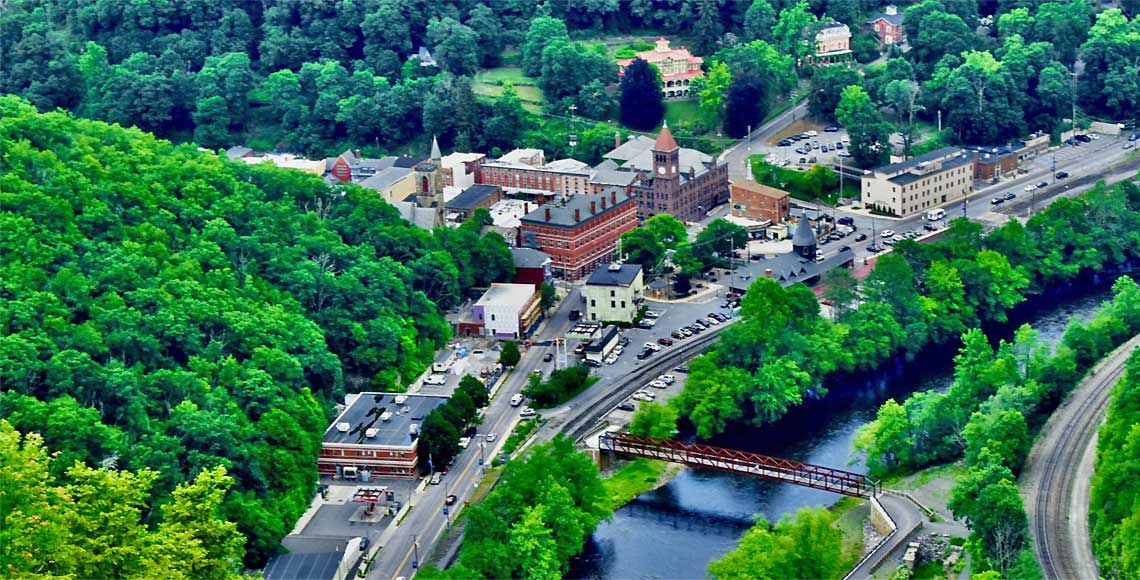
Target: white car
{"points": [[491, 437], [639, 396], [888, 233], [618, 350], [653, 346], [435, 380], [813, 133], [527, 413], [667, 379], [657, 384], [712, 321], [464, 442], [645, 393], [613, 358], [1030, 187], [652, 314]]}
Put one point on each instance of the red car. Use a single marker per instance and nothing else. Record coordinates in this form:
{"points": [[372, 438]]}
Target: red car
{"points": [[665, 341]]}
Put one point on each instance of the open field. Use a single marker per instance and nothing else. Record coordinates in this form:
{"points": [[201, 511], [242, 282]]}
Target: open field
{"points": [[489, 83]]}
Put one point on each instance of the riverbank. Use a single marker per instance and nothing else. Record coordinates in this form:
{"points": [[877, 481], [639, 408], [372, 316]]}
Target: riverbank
{"points": [[633, 478]]}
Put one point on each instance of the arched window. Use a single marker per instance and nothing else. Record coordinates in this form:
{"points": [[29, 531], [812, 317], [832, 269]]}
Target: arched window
{"points": [[424, 184]]}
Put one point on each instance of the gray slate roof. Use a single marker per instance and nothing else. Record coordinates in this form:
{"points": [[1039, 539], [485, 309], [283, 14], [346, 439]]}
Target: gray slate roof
{"points": [[472, 196], [904, 165], [563, 216], [804, 236], [529, 257], [605, 277], [384, 178], [895, 19]]}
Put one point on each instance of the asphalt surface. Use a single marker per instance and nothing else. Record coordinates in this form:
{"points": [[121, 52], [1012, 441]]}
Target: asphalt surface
{"points": [[1060, 461], [907, 518]]}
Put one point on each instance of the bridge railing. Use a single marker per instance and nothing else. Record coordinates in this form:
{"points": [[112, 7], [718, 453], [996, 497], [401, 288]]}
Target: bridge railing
{"points": [[763, 466]]}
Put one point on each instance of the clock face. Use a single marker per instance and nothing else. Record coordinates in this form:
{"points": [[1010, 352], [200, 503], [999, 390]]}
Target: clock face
{"points": [[661, 170]]}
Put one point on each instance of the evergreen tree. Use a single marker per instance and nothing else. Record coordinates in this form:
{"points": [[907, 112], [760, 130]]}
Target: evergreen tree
{"points": [[707, 29], [642, 105], [745, 106]]}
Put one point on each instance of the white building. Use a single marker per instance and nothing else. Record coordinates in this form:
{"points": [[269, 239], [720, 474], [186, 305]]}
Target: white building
{"points": [[506, 311], [919, 184], [614, 293]]}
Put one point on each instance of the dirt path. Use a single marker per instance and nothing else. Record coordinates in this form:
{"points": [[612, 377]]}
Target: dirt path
{"points": [[1055, 482]]}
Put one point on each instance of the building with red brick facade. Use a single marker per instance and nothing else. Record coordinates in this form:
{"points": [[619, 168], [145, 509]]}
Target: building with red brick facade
{"points": [[580, 234], [888, 26], [759, 202], [991, 163], [684, 183], [376, 432], [526, 170]]}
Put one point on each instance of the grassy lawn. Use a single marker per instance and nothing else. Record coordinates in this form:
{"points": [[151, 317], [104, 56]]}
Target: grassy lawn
{"points": [[522, 430], [819, 183], [850, 513], [489, 83], [630, 480]]}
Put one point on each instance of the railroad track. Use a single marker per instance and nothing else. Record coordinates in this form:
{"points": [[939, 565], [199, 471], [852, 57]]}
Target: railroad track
{"points": [[1063, 447]]}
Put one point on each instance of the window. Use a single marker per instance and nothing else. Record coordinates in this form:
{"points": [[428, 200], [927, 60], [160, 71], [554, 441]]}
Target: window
{"points": [[612, 294], [623, 303], [613, 304], [593, 303]]}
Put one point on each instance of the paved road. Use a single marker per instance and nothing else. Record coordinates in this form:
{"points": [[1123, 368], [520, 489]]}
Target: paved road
{"points": [[907, 518], [737, 155], [1060, 460]]}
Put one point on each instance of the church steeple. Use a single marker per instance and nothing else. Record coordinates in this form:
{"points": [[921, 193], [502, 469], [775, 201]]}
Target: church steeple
{"points": [[435, 155], [666, 155]]}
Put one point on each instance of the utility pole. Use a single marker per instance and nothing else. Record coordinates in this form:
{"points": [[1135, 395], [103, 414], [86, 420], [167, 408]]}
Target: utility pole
{"points": [[482, 457], [416, 552], [939, 122], [750, 152]]}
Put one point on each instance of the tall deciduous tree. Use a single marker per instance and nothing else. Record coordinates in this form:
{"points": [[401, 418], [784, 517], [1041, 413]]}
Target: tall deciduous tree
{"points": [[827, 84], [870, 143], [542, 31], [795, 31], [744, 106], [759, 21], [642, 105], [455, 46]]}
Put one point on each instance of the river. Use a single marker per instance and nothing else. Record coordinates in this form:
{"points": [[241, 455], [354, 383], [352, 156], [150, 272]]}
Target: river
{"points": [[676, 530]]}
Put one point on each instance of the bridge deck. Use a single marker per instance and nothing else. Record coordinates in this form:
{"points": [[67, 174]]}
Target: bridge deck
{"points": [[762, 466]]}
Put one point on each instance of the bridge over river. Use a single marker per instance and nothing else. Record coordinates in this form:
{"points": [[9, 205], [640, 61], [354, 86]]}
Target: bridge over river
{"points": [[743, 462]]}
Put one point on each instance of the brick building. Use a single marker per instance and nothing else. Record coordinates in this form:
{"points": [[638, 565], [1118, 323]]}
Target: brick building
{"points": [[526, 170], [678, 67], [888, 26], [376, 432], [991, 163], [759, 202], [531, 266], [684, 183], [582, 233]]}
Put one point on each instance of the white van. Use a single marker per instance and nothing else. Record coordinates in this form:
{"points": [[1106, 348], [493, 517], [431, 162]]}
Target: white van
{"points": [[440, 367], [935, 215], [516, 400]]}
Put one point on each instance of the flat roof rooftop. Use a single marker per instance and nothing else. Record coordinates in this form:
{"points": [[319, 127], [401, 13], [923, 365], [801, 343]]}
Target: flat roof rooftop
{"points": [[623, 276], [511, 294], [390, 415]]}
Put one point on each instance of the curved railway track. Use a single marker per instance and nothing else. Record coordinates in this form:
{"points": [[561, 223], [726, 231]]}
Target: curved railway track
{"points": [[1053, 463]]}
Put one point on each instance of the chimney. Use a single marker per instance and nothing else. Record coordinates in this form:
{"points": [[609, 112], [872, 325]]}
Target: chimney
{"points": [[603, 203], [892, 10], [617, 139], [593, 208], [577, 215], [547, 214], [767, 272], [526, 208], [358, 155]]}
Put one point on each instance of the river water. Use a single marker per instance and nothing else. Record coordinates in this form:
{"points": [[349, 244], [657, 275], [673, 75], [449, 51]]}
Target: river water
{"points": [[675, 531]]}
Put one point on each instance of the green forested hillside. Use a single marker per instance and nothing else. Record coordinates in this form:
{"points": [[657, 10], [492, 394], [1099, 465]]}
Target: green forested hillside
{"points": [[163, 308]]}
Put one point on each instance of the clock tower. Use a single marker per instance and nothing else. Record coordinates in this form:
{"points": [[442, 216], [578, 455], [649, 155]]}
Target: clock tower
{"points": [[666, 172]]}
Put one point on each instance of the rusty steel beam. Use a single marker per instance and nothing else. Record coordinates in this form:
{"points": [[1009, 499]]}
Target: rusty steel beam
{"points": [[744, 462]]}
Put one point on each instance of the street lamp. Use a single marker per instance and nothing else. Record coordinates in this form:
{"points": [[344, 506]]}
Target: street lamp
{"points": [[482, 461], [573, 139]]}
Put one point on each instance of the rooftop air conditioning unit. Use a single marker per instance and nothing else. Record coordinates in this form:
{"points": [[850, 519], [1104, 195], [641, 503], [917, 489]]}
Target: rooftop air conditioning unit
{"points": [[343, 426], [386, 416], [615, 267], [370, 433]]}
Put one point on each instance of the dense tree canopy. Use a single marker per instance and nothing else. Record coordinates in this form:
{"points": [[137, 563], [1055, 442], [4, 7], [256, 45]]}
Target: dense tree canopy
{"points": [[171, 311], [642, 106]]}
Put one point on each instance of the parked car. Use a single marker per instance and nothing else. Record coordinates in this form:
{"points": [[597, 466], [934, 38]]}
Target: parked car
{"points": [[812, 133], [652, 314], [860, 237], [929, 227], [435, 380], [1134, 137], [1083, 138], [845, 220], [435, 478], [874, 249], [623, 341], [527, 413], [830, 129], [626, 406], [657, 384], [1030, 187], [677, 334], [645, 393], [451, 499], [575, 314], [701, 322], [1126, 146], [1041, 184], [644, 354], [665, 341], [844, 248], [839, 145], [611, 359], [712, 321], [997, 201], [667, 379], [803, 160], [888, 233], [592, 363], [844, 154], [548, 357]]}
